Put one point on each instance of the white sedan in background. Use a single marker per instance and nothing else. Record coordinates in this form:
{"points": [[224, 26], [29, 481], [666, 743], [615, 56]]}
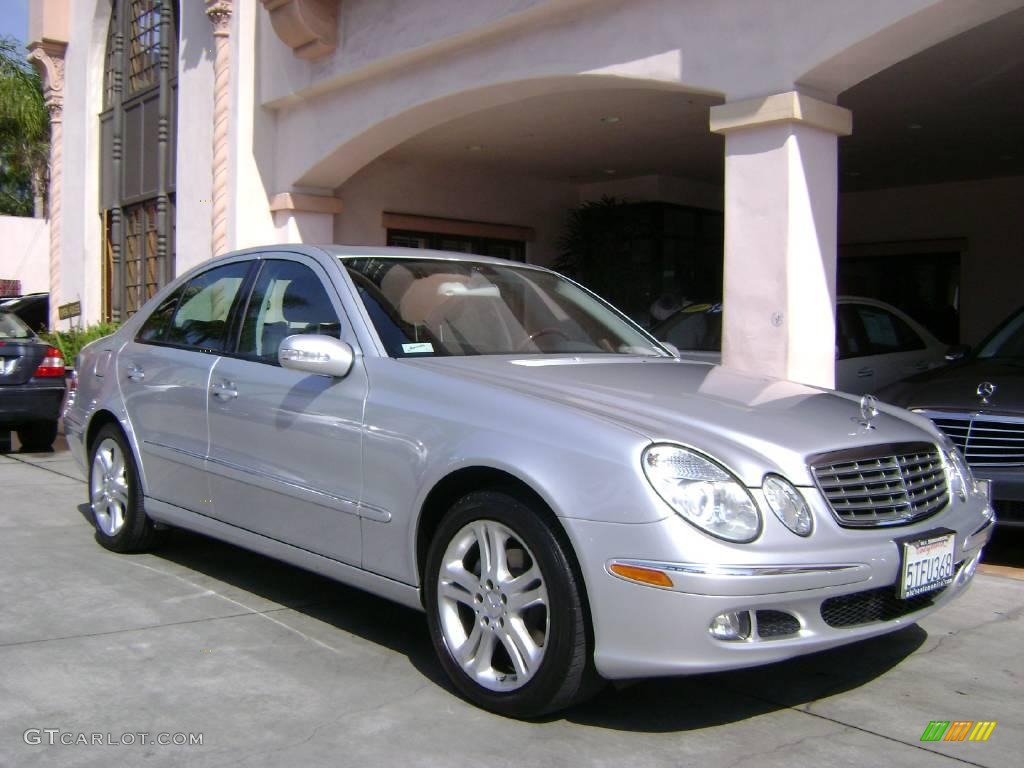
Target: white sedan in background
{"points": [[876, 344]]}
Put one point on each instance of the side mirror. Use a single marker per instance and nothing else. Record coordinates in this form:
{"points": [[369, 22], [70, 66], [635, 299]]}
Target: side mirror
{"points": [[957, 352], [322, 355]]}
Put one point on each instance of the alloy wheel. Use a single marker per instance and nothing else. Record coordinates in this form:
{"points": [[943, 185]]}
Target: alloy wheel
{"points": [[493, 606]]}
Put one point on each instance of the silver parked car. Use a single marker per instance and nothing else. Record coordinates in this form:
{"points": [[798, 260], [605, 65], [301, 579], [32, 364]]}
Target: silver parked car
{"points": [[876, 343], [491, 443]]}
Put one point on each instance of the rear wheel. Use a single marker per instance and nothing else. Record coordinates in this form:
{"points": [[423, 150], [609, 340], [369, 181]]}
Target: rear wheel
{"points": [[37, 436], [115, 496], [505, 608]]}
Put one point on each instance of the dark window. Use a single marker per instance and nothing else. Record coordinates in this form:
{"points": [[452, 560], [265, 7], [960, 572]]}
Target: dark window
{"points": [[202, 318], [155, 325], [513, 250], [288, 299], [926, 286], [886, 333]]}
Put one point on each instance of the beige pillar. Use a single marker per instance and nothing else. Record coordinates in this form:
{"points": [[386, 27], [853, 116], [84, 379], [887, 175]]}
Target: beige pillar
{"points": [[48, 57], [303, 218], [781, 198], [219, 13]]}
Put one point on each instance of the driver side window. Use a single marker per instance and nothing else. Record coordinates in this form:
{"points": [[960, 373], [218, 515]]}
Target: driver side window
{"points": [[288, 299]]}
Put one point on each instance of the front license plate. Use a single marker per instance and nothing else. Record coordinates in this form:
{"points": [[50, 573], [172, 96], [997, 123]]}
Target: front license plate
{"points": [[927, 564]]}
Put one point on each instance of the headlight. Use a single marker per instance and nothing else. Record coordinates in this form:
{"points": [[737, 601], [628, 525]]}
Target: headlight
{"points": [[961, 479], [702, 492], [788, 505]]}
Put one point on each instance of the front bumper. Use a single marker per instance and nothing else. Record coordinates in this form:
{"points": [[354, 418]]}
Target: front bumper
{"points": [[24, 403], [802, 596]]}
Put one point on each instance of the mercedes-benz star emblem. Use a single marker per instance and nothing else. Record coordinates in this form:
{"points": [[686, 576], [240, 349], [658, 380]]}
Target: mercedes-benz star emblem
{"points": [[985, 390], [868, 411]]}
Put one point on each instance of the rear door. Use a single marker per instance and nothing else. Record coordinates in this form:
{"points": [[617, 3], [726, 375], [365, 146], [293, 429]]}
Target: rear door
{"points": [[164, 374]]}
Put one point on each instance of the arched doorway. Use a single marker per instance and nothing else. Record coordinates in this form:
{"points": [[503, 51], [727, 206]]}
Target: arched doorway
{"points": [[137, 148]]}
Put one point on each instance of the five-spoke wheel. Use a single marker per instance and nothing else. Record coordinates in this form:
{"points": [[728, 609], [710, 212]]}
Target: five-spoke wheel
{"points": [[505, 607], [115, 496], [108, 487], [493, 605]]}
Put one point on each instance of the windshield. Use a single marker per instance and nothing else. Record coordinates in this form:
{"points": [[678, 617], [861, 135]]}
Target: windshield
{"points": [[1007, 342], [696, 327], [427, 307], [12, 328]]}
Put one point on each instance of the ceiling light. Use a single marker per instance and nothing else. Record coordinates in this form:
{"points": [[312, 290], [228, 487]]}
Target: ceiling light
{"points": [[474, 147], [610, 119]]}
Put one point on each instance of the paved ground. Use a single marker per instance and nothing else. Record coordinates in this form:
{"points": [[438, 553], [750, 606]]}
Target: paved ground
{"points": [[275, 666]]}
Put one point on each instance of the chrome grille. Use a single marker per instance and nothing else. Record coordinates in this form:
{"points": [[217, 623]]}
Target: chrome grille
{"points": [[985, 440], [882, 484]]}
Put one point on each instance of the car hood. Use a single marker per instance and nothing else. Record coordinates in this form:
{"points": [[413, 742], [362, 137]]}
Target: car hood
{"points": [[956, 387], [750, 423]]}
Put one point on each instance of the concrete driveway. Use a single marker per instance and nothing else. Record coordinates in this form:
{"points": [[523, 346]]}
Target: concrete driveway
{"points": [[270, 666]]}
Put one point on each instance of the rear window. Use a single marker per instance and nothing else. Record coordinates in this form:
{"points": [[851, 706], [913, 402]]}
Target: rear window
{"points": [[12, 328]]}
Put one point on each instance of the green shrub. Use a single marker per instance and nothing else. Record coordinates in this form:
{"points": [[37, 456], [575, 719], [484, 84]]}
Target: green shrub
{"points": [[71, 342]]}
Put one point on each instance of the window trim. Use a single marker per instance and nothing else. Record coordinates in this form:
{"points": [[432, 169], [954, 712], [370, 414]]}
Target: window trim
{"points": [[325, 282], [231, 331]]}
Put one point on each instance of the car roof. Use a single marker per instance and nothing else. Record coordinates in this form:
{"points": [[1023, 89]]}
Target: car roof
{"points": [[346, 252]]}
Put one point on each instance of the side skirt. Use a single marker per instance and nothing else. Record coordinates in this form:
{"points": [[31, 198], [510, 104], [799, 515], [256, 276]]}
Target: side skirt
{"points": [[400, 593]]}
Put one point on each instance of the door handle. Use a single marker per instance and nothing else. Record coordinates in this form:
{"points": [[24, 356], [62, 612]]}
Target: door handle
{"points": [[224, 391], [136, 374], [864, 373]]}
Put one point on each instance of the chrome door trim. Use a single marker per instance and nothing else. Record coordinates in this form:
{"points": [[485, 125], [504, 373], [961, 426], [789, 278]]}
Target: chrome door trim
{"points": [[349, 506]]}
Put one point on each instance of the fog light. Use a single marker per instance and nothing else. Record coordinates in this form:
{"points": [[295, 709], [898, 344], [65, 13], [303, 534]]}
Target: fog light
{"points": [[734, 625], [968, 570]]}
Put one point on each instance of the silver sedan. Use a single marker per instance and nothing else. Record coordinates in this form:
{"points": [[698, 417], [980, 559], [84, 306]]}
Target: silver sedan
{"points": [[491, 443]]}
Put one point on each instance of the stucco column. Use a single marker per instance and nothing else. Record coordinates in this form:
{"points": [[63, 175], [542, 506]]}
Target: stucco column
{"points": [[303, 218], [219, 13], [48, 57], [781, 197]]}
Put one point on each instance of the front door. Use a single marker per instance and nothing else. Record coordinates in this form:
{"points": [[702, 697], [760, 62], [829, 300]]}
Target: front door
{"points": [[285, 454]]}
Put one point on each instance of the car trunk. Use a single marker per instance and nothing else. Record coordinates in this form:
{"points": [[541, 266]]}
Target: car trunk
{"points": [[19, 360]]}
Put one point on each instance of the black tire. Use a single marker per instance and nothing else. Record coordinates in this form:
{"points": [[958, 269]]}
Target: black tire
{"points": [[565, 674], [136, 532], [38, 436]]}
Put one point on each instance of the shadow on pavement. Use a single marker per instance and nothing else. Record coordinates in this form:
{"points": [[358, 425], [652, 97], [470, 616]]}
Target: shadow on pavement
{"points": [[690, 703], [675, 704], [351, 610]]}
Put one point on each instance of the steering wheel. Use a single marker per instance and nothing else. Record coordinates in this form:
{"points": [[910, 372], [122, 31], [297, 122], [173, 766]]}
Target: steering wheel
{"points": [[549, 331]]}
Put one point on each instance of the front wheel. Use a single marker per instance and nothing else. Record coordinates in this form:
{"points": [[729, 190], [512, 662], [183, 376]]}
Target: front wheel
{"points": [[115, 495], [505, 608]]}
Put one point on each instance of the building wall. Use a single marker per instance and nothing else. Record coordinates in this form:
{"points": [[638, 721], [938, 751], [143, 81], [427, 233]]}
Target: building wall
{"points": [[337, 114], [193, 178], [986, 213], [81, 228], [25, 254], [436, 191]]}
